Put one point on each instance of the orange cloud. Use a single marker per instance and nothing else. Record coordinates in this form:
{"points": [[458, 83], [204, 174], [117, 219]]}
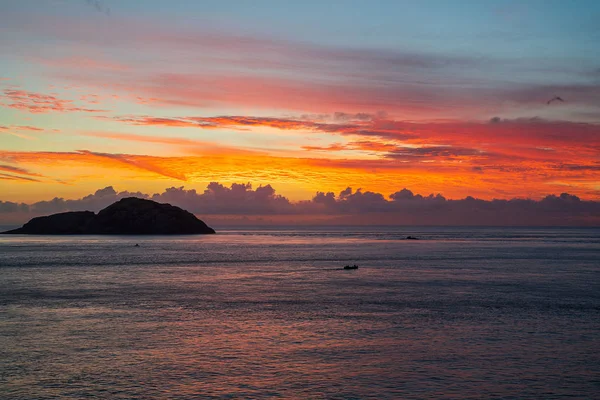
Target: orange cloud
{"points": [[96, 163], [17, 178], [27, 128], [189, 146], [431, 170], [17, 170], [15, 130], [332, 147], [19, 135], [144, 163]]}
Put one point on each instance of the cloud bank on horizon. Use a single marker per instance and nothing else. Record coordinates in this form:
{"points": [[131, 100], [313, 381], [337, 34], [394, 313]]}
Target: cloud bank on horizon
{"points": [[219, 203], [155, 94]]}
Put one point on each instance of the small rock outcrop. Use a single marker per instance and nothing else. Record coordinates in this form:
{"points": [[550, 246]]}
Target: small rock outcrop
{"points": [[129, 216]]}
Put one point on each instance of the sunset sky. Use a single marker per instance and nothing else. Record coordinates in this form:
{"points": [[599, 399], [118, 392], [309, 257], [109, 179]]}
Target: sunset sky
{"points": [[445, 97]]}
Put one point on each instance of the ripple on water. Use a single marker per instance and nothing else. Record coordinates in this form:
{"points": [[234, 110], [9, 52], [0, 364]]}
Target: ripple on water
{"points": [[270, 315]]}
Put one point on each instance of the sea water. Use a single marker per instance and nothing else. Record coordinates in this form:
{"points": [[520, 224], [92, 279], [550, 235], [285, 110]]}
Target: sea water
{"points": [[270, 313]]}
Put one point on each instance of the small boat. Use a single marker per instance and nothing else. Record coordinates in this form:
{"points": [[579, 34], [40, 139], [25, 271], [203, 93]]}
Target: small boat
{"points": [[136, 245], [351, 266]]}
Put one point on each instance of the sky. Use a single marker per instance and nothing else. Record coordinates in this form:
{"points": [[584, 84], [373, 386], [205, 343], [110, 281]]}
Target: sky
{"points": [[435, 97]]}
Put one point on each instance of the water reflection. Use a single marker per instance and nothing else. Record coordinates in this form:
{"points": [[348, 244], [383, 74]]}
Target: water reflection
{"points": [[238, 316]]}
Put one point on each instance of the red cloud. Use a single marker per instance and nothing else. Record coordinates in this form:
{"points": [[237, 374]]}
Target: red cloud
{"points": [[362, 126], [38, 103], [534, 139], [78, 62], [409, 84]]}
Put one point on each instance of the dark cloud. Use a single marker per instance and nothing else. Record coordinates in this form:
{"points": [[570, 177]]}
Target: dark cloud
{"points": [[342, 116], [532, 120], [93, 202], [588, 93], [406, 194], [447, 152], [99, 6], [347, 202], [236, 199], [575, 167], [10, 207], [347, 207]]}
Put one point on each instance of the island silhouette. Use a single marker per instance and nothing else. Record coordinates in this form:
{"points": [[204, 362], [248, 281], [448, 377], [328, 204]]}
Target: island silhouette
{"points": [[128, 216]]}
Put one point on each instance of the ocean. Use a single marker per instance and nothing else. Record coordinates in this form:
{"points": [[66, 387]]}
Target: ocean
{"points": [[256, 313]]}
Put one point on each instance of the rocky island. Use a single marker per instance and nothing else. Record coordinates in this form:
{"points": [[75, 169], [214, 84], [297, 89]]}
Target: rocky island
{"points": [[128, 216]]}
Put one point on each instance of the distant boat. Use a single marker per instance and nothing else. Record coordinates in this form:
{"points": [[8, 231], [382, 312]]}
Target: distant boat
{"points": [[136, 245], [412, 238], [351, 266]]}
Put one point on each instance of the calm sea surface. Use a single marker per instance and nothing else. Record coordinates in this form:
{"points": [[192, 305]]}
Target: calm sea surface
{"points": [[462, 313]]}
